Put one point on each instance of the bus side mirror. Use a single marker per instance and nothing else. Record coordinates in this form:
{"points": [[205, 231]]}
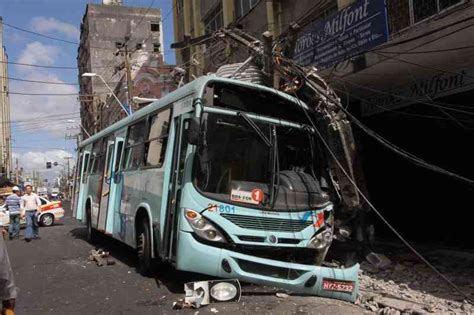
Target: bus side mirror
{"points": [[194, 131]]}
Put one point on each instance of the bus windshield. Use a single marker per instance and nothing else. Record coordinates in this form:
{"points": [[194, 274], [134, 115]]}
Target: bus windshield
{"points": [[251, 165]]}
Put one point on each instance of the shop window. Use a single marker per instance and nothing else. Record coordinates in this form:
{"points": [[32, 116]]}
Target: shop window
{"points": [[214, 21], [157, 139]]}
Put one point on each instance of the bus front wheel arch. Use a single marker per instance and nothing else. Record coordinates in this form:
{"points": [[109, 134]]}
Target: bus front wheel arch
{"points": [[146, 264]]}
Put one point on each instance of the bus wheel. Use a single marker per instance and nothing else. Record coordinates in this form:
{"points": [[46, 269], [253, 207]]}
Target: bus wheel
{"points": [[90, 230], [145, 261]]}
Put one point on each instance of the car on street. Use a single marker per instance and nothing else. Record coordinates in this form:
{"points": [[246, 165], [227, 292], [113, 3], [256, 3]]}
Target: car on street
{"points": [[50, 212]]}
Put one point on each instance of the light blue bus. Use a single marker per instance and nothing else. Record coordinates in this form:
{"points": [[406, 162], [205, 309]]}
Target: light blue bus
{"points": [[220, 177]]}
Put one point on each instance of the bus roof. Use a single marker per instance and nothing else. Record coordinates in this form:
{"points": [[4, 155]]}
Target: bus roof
{"points": [[196, 86]]}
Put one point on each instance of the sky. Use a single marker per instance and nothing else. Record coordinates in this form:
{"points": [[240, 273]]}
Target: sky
{"points": [[40, 123]]}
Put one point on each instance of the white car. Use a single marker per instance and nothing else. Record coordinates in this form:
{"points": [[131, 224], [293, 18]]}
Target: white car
{"points": [[50, 212]]}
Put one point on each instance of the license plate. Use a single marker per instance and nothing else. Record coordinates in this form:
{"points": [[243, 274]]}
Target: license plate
{"points": [[338, 286]]}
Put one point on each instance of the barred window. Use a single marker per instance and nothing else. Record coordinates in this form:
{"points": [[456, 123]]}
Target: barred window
{"points": [[404, 13], [399, 15], [242, 7], [214, 21]]}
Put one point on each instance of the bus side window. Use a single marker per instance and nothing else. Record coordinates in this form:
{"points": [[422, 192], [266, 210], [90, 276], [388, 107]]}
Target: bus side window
{"points": [[134, 146], [98, 157], [86, 165], [157, 139]]}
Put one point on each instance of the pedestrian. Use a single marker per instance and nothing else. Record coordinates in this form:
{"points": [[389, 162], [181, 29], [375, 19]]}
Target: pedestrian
{"points": [[8, 291], [30, 203], [13, 205]]}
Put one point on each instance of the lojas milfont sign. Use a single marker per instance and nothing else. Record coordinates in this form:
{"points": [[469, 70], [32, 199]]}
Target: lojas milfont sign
{"points": [[358, 27]]}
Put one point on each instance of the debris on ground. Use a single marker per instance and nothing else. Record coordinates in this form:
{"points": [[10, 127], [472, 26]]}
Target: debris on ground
{"points": [[281, 295], [202, 293], [409, 287], [379, 261], [100, 257]]}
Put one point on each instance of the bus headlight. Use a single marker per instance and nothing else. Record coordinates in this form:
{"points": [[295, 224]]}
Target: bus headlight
{"points": [[321, 240], [202, 227]]}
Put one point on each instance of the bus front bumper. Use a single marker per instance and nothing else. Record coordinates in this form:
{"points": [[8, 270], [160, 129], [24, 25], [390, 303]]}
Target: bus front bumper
{"points": [[298, 278]]}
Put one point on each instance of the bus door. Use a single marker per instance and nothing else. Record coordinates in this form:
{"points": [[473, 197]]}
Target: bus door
{"points": [[115, 190], [82, 181], [106, 179], [181, 125], [76, 182]]}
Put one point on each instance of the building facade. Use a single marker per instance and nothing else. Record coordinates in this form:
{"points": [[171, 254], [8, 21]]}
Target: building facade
{"points": [[405, 68], [112, 37], [151, 79], [5, 123]]}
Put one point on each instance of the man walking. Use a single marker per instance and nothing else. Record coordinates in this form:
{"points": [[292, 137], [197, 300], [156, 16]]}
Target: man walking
{"points": [[13, 204], [30, 202]]}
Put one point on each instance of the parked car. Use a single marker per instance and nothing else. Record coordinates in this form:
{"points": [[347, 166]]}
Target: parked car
{"points": [[50, 212]]}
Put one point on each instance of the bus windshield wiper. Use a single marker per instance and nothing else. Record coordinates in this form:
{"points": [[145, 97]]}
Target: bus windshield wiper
{"points": [[256, 128]]}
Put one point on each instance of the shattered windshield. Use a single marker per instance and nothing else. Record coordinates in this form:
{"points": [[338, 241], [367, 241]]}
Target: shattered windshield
{"points": [[238, 163]]}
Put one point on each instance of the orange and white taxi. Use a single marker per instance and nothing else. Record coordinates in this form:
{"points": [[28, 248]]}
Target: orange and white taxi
{"points": [[50, 212]]}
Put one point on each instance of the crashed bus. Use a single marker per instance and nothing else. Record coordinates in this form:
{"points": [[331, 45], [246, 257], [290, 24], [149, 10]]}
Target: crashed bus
{"points": [[220, 177]]}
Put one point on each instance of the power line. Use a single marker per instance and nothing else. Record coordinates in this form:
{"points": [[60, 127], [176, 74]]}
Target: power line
{"points": [[38, 81], [38, 65]]}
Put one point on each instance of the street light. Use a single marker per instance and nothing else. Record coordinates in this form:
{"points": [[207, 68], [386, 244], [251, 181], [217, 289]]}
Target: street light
{"points": [[91, 74], [80, 125]]}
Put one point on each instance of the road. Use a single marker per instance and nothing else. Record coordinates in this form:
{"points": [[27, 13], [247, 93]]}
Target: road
{"points": [[55, 276]]}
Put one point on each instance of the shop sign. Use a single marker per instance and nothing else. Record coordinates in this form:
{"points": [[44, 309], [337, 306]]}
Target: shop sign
{"points": [[421, 90], [357, 28]]}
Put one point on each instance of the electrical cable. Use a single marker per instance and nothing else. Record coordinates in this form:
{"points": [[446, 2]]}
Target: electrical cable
{"points": [[379, 214]]}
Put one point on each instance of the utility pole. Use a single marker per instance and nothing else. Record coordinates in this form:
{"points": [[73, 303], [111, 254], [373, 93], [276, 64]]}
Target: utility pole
{"points": [[68, 178], [128, 73], [16, 172]]}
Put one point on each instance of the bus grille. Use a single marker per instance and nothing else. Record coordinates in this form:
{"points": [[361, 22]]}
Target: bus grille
{"points": [[267, 224]]}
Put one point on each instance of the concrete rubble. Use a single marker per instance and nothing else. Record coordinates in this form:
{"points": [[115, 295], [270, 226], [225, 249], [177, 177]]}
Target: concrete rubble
{"points": [[410, 287]]}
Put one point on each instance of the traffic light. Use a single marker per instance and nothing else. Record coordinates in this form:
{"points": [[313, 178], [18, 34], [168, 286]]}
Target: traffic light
{"points": [[48, 164]]}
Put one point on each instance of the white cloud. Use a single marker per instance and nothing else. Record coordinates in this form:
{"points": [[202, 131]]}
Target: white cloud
{"points": [[30, 107], [44, 25], [38, 53], [34, 160]]}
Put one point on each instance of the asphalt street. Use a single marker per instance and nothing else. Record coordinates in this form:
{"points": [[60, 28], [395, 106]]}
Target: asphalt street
{"points": [[54, 275]]}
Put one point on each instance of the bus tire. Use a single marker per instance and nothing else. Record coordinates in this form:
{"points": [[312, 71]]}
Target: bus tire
{"points": [[145, 261], [90, 229]]}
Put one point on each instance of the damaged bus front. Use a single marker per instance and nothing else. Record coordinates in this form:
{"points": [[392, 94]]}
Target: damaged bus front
{"points": [[254, 199]]}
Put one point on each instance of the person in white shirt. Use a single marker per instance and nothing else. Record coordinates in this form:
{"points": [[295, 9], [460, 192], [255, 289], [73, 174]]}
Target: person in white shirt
{"points": [[30, 203]]}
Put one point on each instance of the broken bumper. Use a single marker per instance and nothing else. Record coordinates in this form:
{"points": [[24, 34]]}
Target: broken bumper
{"points": [[304, 279]]}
